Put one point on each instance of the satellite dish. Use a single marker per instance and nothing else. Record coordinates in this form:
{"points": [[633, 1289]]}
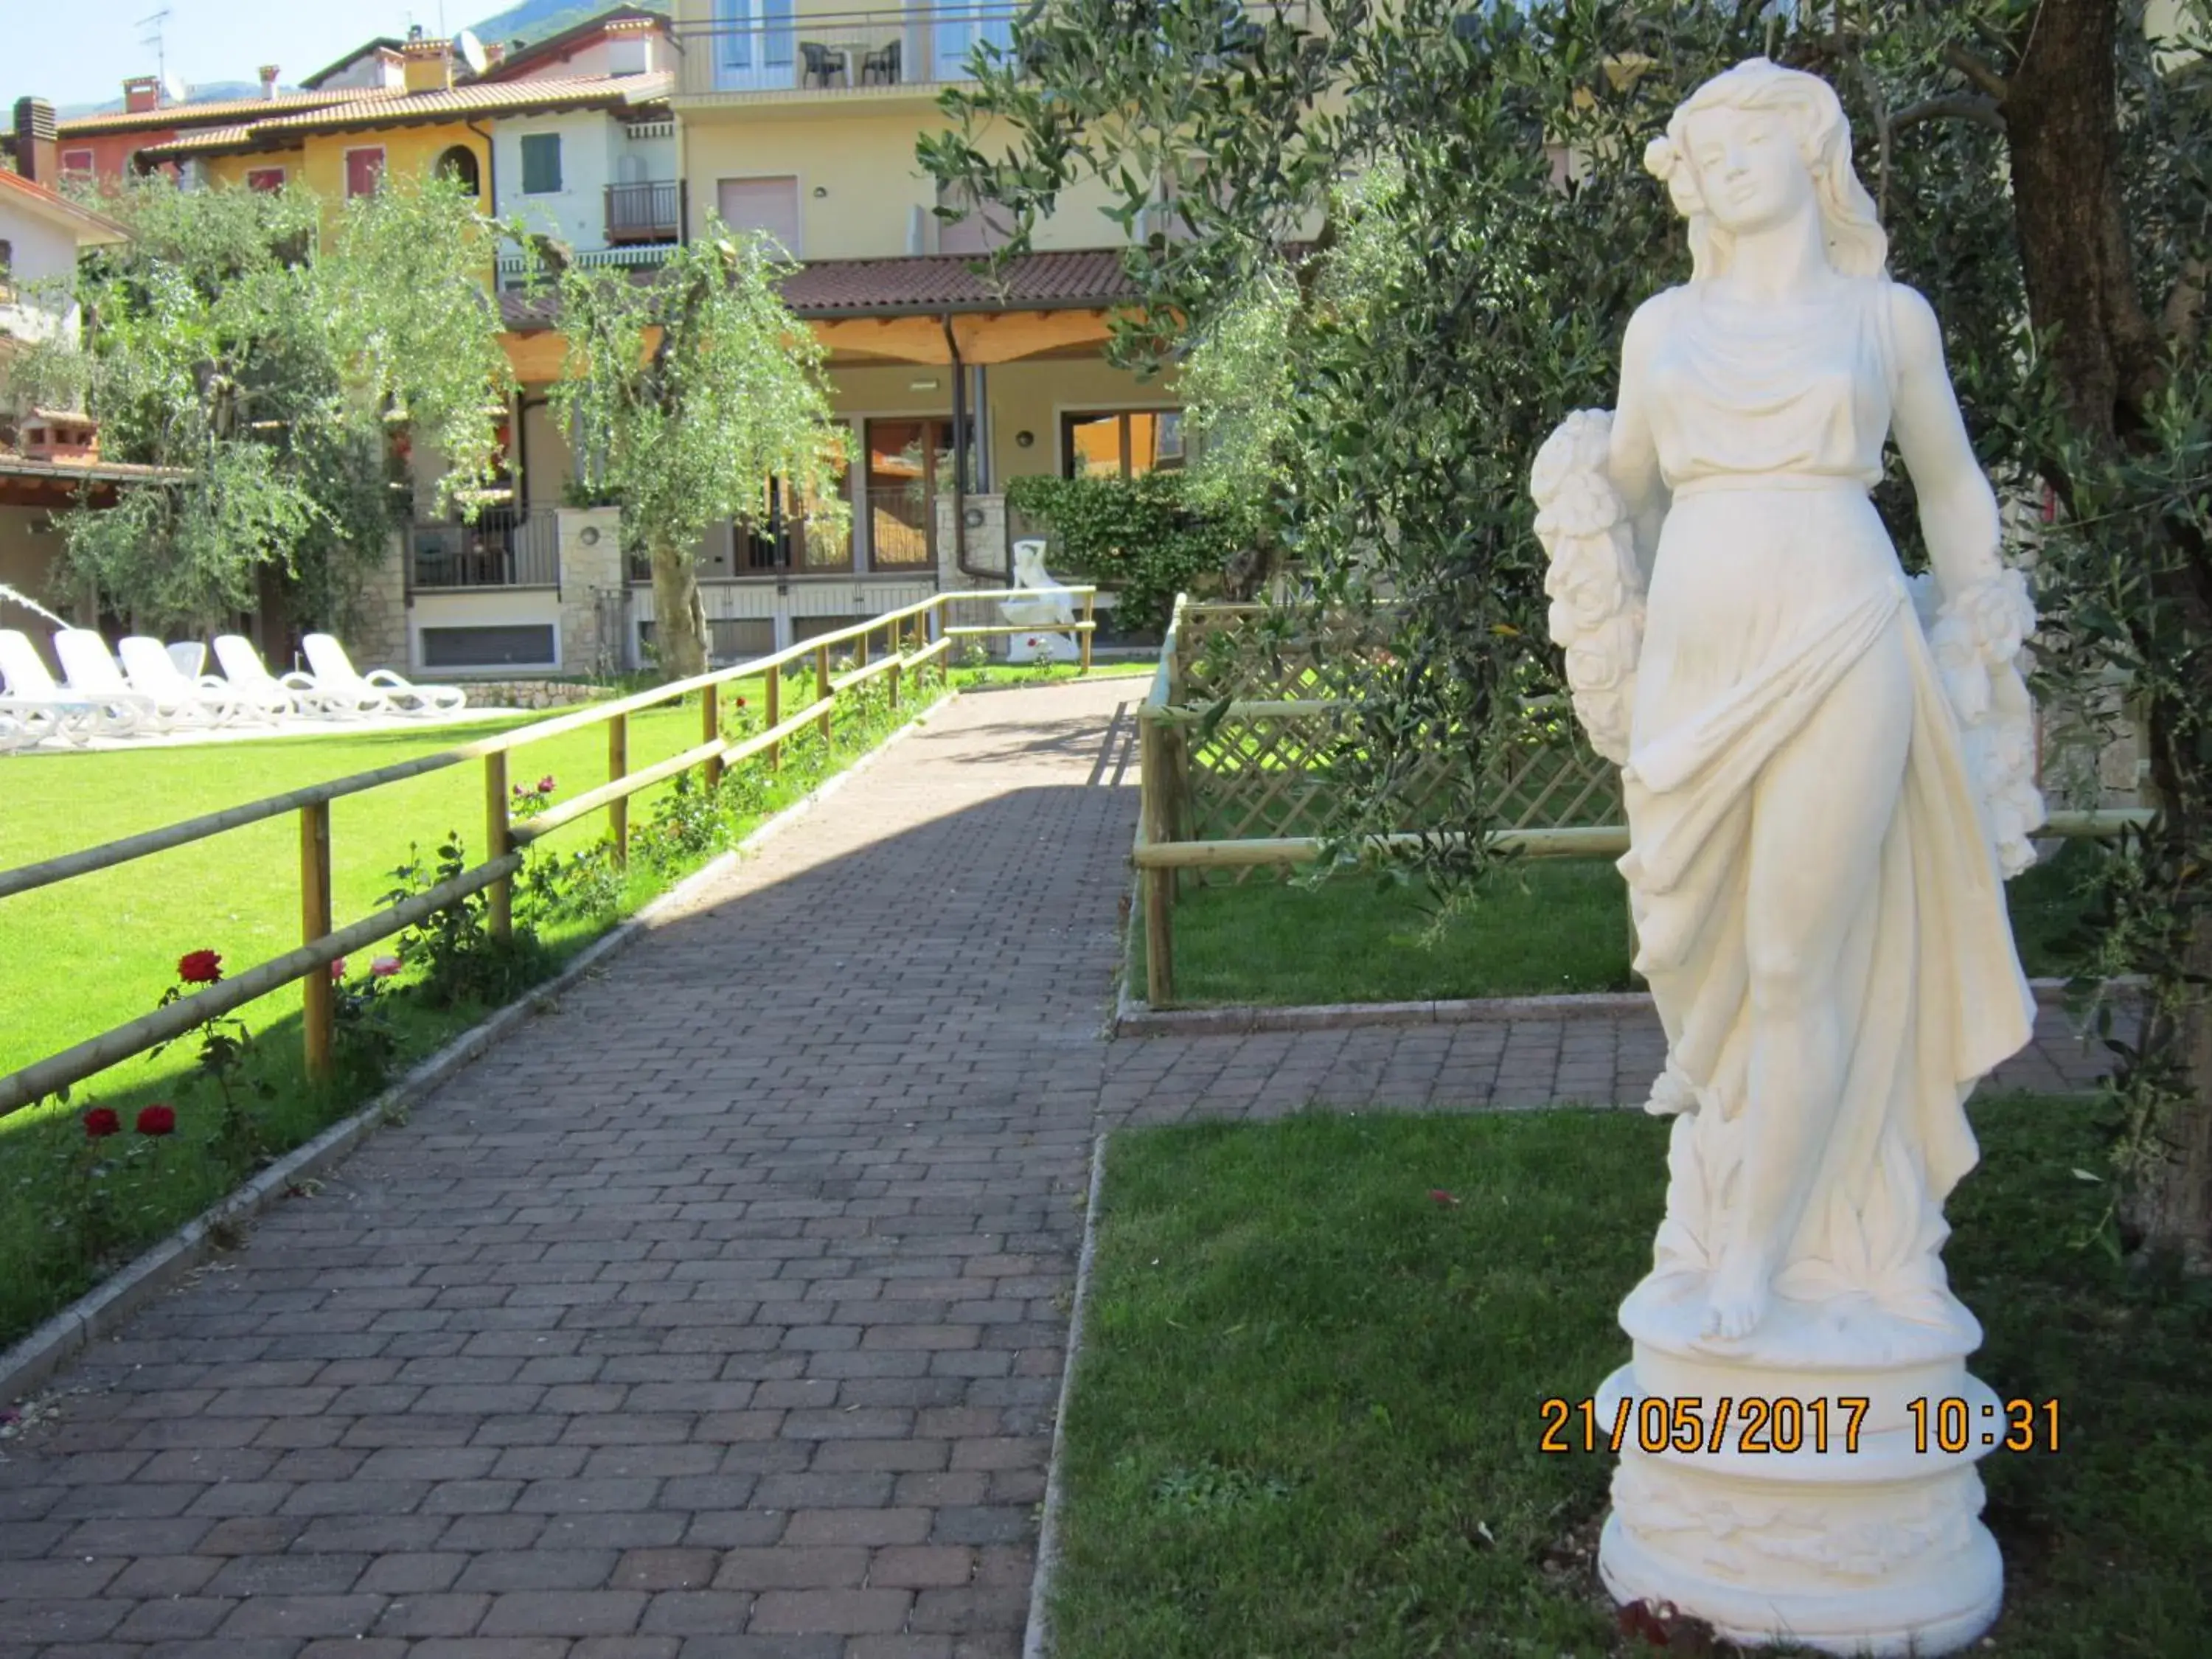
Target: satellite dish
{"points": [[470, 50], [173, 89]]}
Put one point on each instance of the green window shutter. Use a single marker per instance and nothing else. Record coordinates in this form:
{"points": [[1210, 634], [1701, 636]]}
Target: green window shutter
{"points": [[541, 163]]}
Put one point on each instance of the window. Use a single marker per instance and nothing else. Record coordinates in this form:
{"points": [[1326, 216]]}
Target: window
{"points": [[977, 231], [767, 205], [1121, 443], [77, 164], [7, 271], [541, 163], [517, 646], [364, 171], [459, 164], [754, 42], [264, 179]]}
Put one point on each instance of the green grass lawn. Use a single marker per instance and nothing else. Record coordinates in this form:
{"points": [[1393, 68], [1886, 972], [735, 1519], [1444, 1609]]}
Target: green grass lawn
{"points": [[1539, 925], [89, 954], [1306, 1416]]}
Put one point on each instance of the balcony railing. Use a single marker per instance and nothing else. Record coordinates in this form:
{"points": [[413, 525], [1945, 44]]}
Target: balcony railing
{"points": [[764, 47], [651, 212], [501, 548], [513, 265]]}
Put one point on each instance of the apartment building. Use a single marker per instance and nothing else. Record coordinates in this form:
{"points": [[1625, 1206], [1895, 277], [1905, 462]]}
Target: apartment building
{"points": [[799, 121], [49, 458]]}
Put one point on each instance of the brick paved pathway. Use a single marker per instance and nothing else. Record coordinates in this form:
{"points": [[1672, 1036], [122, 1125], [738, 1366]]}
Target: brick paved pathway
{"points": [[719, 1318]]}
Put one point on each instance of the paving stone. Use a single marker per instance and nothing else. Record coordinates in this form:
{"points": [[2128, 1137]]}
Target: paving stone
{"points": [[691, 1323]]}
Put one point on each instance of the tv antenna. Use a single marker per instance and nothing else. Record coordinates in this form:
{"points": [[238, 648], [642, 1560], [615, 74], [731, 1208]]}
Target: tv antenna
{"points": [[153, 37]]}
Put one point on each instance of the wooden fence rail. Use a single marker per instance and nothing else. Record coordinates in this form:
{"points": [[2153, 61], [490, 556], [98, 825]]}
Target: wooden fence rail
{"points": [[1202, 793], [918, 638]]}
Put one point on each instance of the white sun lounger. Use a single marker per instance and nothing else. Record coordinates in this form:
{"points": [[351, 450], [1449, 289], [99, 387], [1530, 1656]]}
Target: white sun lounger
{"points": [[249, 678], [334, 672], [40, 705], [151, 669], [91, 671]]}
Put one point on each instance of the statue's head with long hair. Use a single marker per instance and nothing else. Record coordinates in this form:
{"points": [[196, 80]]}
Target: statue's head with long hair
{"points": [[1804, 108]]}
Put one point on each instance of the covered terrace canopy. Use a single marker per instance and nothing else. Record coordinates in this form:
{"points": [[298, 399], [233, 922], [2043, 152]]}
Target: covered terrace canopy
{"points": [[28, 482], [929, 309]]}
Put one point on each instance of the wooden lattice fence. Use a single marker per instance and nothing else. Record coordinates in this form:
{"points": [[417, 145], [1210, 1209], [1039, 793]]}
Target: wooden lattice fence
{"points": [[1255, 703]]}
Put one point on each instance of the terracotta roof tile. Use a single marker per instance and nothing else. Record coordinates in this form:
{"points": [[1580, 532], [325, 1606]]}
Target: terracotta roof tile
{"points": [[923, 285], [54, 201], [393, 109], [199, 115]]}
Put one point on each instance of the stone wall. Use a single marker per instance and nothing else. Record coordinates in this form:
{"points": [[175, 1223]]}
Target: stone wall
{"points": [[375, 626], [530, 693], [592, 589]]}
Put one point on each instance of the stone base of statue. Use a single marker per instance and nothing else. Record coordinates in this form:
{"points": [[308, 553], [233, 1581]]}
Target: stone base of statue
{"points": [[1787, 1486], [1042, 647]]}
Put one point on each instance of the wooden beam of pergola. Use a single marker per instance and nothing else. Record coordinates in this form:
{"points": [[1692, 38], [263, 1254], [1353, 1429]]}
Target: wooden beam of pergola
{"points": [[998, 337]]}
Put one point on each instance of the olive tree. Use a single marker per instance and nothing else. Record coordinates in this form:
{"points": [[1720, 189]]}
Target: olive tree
{"points": [[684, 396], [1409, 238], [264, 348]]}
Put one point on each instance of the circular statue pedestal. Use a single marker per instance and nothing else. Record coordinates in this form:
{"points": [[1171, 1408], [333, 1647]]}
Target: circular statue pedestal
{"points": [[1777, 1487]]}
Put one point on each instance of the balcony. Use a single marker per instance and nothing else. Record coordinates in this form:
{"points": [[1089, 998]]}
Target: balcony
{"points": [[761, 48], [651, 212], [514, 265], [502, 549]]}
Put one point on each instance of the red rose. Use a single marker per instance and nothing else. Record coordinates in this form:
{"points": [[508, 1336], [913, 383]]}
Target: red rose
{"points": [[200, 967], [337, 970], [741, 702], [157, 1119], [100, 1122], [545, 784]]}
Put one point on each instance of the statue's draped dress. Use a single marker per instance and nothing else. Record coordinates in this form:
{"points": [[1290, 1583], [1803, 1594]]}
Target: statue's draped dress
{"points": [[1773, 577]]}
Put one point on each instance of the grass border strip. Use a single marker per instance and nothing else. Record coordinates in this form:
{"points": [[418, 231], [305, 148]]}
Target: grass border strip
{"points": [[34, 1360], [1036, 1635], [1133, 1018]]}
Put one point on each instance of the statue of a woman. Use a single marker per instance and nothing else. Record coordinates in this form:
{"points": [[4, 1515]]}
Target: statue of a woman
{"points": [[1825, 792]]}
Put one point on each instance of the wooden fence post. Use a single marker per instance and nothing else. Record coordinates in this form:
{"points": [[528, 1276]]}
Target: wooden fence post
{"points": [[1158, 886], [318, 996], [822, 686], [499, 897], [772, 712], [618, 767], [1090, 621], [710, 730]]}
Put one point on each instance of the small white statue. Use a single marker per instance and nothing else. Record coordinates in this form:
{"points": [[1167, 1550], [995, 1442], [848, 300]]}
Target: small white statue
{"points": [[1823, 797], [1051, 606]]}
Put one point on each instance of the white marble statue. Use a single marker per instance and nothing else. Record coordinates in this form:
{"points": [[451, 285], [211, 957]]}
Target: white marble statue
{"points": [[1825, 793], [1050, 606]]}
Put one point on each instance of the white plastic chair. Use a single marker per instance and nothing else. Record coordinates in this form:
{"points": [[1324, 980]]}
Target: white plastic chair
{"points": [[43, 709], [92, 672], [335, 673], [152, 670], [189, 655], [248, 678]]}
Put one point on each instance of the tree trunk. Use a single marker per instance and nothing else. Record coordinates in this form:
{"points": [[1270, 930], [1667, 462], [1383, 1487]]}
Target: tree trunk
{"points": [[2062, 129], [2063, 134], [679, 620]]}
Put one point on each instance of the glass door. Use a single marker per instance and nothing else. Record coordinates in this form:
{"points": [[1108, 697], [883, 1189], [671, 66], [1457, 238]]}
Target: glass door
{"points": [[754, 46], [961, 25], [910, 463]]}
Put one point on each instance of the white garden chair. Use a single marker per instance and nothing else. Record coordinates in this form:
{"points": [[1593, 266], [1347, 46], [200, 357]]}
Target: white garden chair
{"points": [[248, 678], [334, 672], [189, 655], [91, 671], [151, 669], [43, 709]]}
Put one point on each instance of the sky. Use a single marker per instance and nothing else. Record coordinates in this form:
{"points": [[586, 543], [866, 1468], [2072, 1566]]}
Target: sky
{"points": [[80, 52]]}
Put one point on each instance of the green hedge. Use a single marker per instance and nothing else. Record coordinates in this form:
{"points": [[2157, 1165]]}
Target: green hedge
{"points": [[1139, 537]]}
